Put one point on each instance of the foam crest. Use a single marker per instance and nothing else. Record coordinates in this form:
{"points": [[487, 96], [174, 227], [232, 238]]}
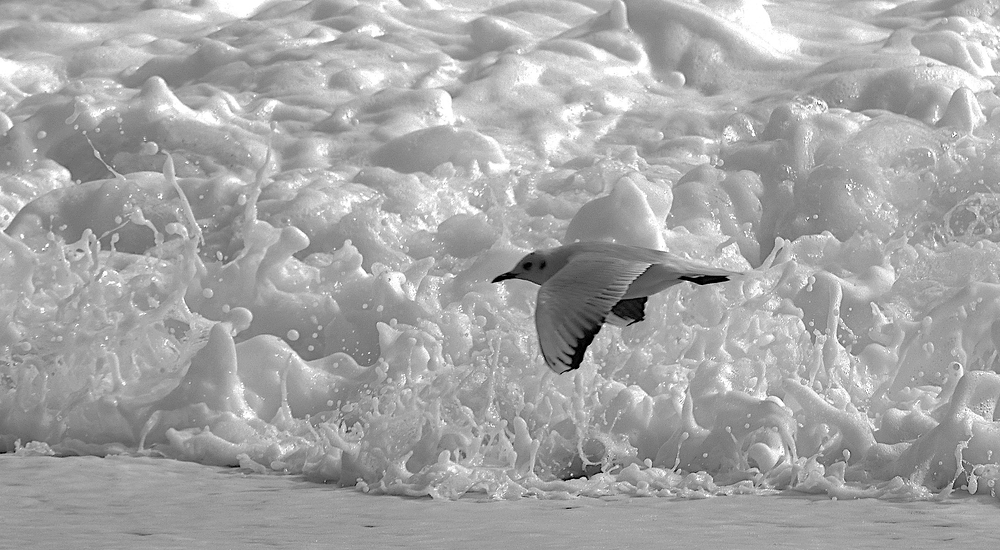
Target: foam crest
{"points": [[267, 243]]}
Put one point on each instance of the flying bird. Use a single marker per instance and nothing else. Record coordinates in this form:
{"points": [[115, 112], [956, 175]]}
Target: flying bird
{"points": [[585, 284]]}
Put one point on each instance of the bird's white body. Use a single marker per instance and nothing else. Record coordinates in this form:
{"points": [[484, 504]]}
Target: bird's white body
{"points": [[587, 283]]}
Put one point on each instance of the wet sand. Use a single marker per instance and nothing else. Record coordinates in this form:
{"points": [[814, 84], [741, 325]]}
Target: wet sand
{"points": [[89, 502]]}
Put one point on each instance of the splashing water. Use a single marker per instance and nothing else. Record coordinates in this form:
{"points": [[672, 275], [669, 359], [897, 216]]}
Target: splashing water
{"points": [[295, 279]]}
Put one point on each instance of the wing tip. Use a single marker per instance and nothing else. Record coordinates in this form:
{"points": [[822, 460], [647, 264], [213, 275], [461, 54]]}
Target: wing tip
{"points": [[579, 349], [628, 312], [705, 279]]}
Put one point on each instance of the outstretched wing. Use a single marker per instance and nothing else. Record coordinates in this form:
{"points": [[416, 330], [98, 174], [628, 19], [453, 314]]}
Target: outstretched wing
{"points": [[573, 305]]}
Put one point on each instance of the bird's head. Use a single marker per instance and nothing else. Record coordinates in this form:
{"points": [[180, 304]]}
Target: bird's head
{"points": [[535, 267]]}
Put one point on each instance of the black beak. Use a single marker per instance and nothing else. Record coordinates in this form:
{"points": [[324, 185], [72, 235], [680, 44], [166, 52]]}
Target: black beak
{"points": [[503, 277]]}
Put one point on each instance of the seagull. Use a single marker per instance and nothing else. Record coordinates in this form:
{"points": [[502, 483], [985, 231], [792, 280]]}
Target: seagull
{"points": [[585, 284]]}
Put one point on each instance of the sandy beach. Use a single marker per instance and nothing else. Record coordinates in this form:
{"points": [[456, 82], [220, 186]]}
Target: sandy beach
{"points": [[288, 242], [118, 502]]}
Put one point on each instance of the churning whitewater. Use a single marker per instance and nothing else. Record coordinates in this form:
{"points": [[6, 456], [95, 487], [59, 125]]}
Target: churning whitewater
{"points": [[263, 235]]}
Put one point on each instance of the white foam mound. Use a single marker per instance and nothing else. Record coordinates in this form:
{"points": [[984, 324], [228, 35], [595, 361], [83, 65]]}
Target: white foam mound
{"points": [[261, 235]]}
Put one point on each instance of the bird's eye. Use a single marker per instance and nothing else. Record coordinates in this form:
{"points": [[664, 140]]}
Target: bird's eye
{"points": [[541, 265], [527, 265]]}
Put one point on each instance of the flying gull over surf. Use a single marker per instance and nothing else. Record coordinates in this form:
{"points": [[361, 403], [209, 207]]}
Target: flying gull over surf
{"points": [[585, 284]]}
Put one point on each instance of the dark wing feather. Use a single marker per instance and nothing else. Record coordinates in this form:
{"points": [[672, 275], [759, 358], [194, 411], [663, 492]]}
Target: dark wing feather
{"points": [[704, 279], [573, 305], [629, 312]]}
